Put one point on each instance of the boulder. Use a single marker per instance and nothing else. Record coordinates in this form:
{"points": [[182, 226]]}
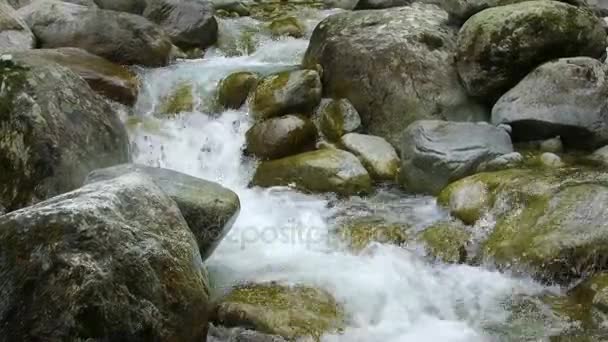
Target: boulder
{"points": [[281, 137], [467, 203], [189, 23], [326, 170], [435, 153], [15, 35], [497, 47], [287, 26], [549, 159], [113, 260], [179, 99], [461, 10], [505, 161], [553, 145], [565, 98], [379, 4], [446, 241], [209, 208], [377, 155], [128, 6], [53, 131], [600, 156], [286, 92], [336, 118], [122, 38], [360, 232], [221, 334], [395, 66], [289, 311], [235, 88], [108, 79], [343, 4], [232, 7]]}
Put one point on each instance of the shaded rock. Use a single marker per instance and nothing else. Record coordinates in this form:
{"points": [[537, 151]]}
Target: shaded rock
{"points": [[129, 6], [594, 290], [291, 312], [112, 260], [189, 23], [120, 37], [506, 161], [446, 241], [180, 99], [15, 35], [600, 156], [360, 232], [461, 10], [326, 170], [220, 334], [208, 208], [435, 153], [281, 137], [549, 159], [287, 26], [553, 145], [108, 79], [497, 47], [379, 4], [466, 202], [235, 88], [377, 155], [286, 92], [230, 6], [395, 66], [336, 118], [53, 131], [344, 4], [565, 98]]}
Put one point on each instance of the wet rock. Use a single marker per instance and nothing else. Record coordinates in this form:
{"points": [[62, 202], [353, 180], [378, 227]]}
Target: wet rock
{"points": [[120, 37], [15, 35], [235, 88], [600, 156], [377, 155], [361, 232], [344, 4], [108, 79], [287, 26], [281, 137], [595, 290], [467, 202], [395, 66], [286, 92], [326, 170], [549, 159], [553, 145], [289, 311], [461, 10], [506, 161], [497, 47], [220, 334], [435, 153], [446, 241], [239, 8], [112, 260], [208, 208], [129, 6], [336, 118], [564, 97], [189, 23], [379, 4], [180, 99], [53, 131]]}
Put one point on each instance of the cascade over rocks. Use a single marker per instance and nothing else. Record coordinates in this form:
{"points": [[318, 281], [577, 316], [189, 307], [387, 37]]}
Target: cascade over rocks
{"points": [[53, 131], [565, 98], [208, 208], [497, 47], [120, 37], [435, 153], [395, 66], [113, 260], [14, 32]]}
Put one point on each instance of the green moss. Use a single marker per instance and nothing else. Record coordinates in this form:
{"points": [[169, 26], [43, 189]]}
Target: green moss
{"points": [[332, 121], [264, 101], [359, 233], [181, 99], [446, 241], [287, 26], [235, 88]]}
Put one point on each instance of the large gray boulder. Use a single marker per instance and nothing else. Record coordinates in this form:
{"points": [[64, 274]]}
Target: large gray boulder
{"points": [[435, 153], [564, 97], [497, 47], [395, 66], [461, 10], [209, 208], [189, 23], [54, 130], [122, 38], [113, 260], [14, 33]]}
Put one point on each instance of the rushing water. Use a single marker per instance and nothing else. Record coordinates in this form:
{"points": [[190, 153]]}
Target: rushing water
{"points": [[389, 293]]}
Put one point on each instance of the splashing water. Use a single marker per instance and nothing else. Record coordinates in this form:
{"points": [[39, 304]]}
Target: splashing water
{"points": [[389, 293]]}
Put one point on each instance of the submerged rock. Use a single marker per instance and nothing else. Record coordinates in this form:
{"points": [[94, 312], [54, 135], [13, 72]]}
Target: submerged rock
{"points": [[395, 66], [326, 170], [286, 92], [280, 137], [497, 47], [108, 79], [209, 208], [361, 232], [120, 37], [180, 99], [112, 260], [435, 153], [377, 155], [289, 311], [287, 26], [565, 98], [336, 118], [235, 88], [53, 131], [15, 35]]}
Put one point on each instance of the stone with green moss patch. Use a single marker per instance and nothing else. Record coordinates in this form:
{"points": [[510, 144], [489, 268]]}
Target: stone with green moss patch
{"points": [[446, 241], [360, 232], [289, 311], [235, 88], [287, 26], [280, 137], [336, 118], [468, 201], [180, 99]]}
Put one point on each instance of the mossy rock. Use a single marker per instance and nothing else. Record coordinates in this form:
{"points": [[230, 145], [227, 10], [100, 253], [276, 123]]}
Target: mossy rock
{"points": [[446, 241], [287, 26], [377, 155], [336, 118], [270, 10], [180, 99], [360, 232], [281, 137], [289, 311], [235, 88], [326, 170], [467, 201]]}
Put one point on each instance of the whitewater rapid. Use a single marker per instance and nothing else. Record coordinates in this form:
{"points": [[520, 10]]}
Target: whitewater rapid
{"points": [[389, 293]]}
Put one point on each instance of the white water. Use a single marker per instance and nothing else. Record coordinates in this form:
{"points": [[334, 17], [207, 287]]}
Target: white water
{"points": [[390, 293]]}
